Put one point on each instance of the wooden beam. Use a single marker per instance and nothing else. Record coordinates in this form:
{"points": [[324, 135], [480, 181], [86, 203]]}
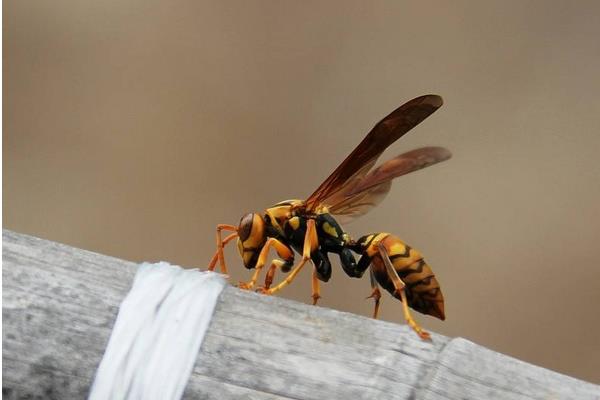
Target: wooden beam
{"points": [[59, 305]]}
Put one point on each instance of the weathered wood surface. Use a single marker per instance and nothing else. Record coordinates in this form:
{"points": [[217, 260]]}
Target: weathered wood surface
{"points": [[59, 305]]}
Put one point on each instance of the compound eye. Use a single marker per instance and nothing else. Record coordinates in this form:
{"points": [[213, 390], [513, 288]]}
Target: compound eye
{"points": [[245, 227]]}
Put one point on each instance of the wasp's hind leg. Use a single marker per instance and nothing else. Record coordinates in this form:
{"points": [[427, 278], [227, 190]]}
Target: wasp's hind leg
{"points": [[311, 243], [375, 293], [220, 244], [400, 290], [282, 250], [364, 262]]}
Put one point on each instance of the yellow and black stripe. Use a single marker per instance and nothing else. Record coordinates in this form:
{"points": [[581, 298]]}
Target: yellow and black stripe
{"points": [[423, 291]]}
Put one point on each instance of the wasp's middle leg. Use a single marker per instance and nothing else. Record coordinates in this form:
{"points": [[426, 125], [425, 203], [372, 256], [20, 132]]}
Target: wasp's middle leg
{"points": [[364, 262], [321, 272]]}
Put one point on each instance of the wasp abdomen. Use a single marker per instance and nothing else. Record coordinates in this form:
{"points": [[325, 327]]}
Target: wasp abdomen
{"points": [[422, 288]]}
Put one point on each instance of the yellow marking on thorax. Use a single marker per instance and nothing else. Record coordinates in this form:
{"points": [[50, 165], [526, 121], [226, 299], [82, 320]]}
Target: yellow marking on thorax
{"points": [[330, 230], [278, 215], [294, 222], [290, 202], [322, 209], [279, 211]]}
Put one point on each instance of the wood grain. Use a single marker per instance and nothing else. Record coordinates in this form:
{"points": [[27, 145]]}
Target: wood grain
{"points": [[59, 305]]}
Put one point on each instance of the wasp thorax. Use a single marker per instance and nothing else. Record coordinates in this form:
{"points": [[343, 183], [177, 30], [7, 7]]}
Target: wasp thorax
{"points": [[251, 238], [277, 215]]}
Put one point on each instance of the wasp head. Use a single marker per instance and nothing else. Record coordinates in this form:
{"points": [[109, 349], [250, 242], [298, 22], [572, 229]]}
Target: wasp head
{"points": [[251, 238]]}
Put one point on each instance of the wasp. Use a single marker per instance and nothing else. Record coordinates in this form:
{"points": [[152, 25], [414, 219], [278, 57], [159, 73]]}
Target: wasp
{"points": [[312, 227]]}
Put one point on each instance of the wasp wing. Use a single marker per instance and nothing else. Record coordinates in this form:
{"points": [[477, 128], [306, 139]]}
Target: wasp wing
{"points": [[356, 206], [369, 191], [364, 156], [402, 164]]}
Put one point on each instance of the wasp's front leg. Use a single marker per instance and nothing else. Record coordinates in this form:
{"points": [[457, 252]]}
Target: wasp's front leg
{"points": [[316, 276], [220, 244], [283, 250], [284, 266]]}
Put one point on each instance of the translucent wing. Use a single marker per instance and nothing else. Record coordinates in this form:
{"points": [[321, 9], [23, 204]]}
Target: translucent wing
{"points": [[360, 204], [371, 189], [365, 155], [402, 164]]}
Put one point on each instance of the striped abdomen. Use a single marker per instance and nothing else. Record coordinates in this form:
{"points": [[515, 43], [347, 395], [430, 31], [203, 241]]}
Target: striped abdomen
{"points": [[422, 288]]}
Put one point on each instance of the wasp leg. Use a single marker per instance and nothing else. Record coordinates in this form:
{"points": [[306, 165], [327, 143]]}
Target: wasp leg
{"points": [[220, 245], [316, 289], [400, 289], [375, 293], [316, 292], [311, 243], [285, 266], [347, 259], [282, 250], [365, 262], [213, 261], [322, 264]]}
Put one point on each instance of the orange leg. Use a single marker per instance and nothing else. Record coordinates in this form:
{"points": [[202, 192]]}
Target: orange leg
{"points": [[271, 272], [400, 289], [282, 250], [213, 260], [311, 242], [375, 294], [220, 245], [316, 292]]}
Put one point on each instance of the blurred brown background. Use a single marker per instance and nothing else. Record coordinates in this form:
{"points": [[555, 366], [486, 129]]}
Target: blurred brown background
{"points": [[132, 128]]}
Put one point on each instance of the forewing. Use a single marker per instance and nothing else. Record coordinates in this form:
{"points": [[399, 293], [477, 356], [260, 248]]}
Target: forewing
{"points": [[401, 165], [364, 156], [373, 187]]}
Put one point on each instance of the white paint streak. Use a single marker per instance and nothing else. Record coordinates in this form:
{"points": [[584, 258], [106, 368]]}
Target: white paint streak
{"points": [[158, 333]]}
